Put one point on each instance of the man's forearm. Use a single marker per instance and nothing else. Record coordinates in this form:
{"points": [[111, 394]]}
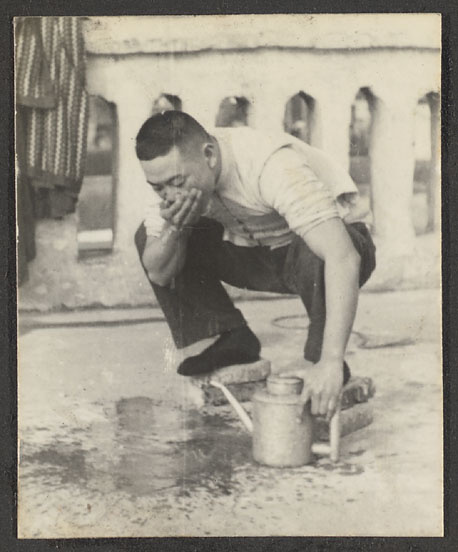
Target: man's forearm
{"points": [[164, 257], [342, 290]]}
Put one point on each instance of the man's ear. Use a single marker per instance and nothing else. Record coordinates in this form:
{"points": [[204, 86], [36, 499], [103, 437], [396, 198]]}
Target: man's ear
{"points": [[210, 154]]}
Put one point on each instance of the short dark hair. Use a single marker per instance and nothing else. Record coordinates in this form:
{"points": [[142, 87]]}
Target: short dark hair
{"points": [[161, 132]]}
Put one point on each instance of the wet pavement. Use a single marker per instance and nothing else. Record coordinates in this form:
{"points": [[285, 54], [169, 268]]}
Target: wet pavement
{"points": [[111, 444]]}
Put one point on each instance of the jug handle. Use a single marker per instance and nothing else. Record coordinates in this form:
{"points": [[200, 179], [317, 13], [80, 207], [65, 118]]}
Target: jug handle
{"points": [[235, 404]]}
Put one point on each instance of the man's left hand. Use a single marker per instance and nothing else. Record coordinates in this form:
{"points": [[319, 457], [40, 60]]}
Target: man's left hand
{"points": [[322, 385]]}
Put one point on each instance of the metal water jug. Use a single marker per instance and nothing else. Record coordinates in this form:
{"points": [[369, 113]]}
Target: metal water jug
{"points": [[282, 424]]}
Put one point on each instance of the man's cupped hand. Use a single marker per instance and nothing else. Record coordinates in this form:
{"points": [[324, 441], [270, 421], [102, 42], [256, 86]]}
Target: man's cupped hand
{"points": [[184, 210]]}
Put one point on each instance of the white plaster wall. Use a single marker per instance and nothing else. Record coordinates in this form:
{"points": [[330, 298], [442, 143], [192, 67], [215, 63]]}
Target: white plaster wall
{"points": [[268, 79], [160, 34]]}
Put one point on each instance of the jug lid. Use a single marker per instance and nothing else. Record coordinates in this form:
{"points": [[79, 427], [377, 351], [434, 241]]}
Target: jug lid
{"points": [[287, 385]]}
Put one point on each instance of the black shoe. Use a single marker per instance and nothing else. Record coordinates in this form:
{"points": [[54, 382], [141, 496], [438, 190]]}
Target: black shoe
{"points": [[237, 346]]}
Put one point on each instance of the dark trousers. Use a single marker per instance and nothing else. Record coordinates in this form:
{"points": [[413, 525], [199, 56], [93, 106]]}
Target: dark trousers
{"points": [[196, 305]]}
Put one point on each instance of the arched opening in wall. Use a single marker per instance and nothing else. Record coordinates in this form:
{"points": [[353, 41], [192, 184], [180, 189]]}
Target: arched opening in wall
{"points": [[362, 111], [167, 102], [299, 116], [426, 175], [96, 199], [233, 112]]}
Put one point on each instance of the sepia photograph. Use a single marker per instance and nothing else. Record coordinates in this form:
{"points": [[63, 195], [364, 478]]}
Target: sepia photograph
{"points": [[229, 275]]}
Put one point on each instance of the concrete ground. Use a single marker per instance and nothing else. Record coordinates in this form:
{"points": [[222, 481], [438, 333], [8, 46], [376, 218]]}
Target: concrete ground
{"points": [[110, 445]]}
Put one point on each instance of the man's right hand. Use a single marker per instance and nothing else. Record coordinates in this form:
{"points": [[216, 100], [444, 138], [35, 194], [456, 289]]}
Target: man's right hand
{"points": [[184, 210], [164, 256]]}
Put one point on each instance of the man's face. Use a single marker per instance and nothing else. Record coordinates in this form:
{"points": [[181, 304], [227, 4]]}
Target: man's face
{"points": [[178, 171]]}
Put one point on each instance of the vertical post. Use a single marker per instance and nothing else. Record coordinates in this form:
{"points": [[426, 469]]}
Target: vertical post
{"points": [[392, 169], [131, 186], [333, 118], [203, 104], [268, 110]]}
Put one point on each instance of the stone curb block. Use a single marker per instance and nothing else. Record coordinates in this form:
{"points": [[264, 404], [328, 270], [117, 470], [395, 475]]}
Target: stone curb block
{"points": [[354, 418], [358, 390], [241, 380], [238, 373]]}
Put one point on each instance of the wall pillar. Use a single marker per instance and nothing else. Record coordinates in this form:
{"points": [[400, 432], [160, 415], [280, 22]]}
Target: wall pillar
{"points": [[203, 104], [268, 110], [433, 187], [131, 186], [332, 126], [392, 169]]}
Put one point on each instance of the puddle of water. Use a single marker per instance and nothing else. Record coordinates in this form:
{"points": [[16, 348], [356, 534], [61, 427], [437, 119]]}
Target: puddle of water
{"points": [[342, 468], [68, 465], [167, 447], [142, 448]]}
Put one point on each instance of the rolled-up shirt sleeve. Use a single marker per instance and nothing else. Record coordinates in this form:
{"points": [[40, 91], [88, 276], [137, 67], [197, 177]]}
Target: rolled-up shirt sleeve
{"points": [[153, 221], [288, 185]]}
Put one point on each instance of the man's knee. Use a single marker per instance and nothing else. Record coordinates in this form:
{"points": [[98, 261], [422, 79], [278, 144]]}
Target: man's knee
{"points": [[302, 262], [303, 269], [363, 243]]}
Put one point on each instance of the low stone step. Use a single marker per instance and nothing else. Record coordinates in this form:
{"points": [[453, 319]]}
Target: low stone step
{"points": [[358, 390], [243, 392], [237, 373], [241, 380]]}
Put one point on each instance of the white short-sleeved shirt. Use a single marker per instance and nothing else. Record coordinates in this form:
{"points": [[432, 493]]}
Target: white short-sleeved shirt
{"points": [[286, 199]]}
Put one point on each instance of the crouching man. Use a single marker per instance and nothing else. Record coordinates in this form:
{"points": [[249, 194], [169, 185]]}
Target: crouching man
{"points": [[259, 211]]}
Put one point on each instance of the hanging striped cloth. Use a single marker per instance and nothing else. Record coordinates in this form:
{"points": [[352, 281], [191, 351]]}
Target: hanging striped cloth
{"points": [[50, 80]]}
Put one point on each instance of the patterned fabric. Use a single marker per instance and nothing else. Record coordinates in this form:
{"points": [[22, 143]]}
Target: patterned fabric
{"points": [[50, 80]]}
